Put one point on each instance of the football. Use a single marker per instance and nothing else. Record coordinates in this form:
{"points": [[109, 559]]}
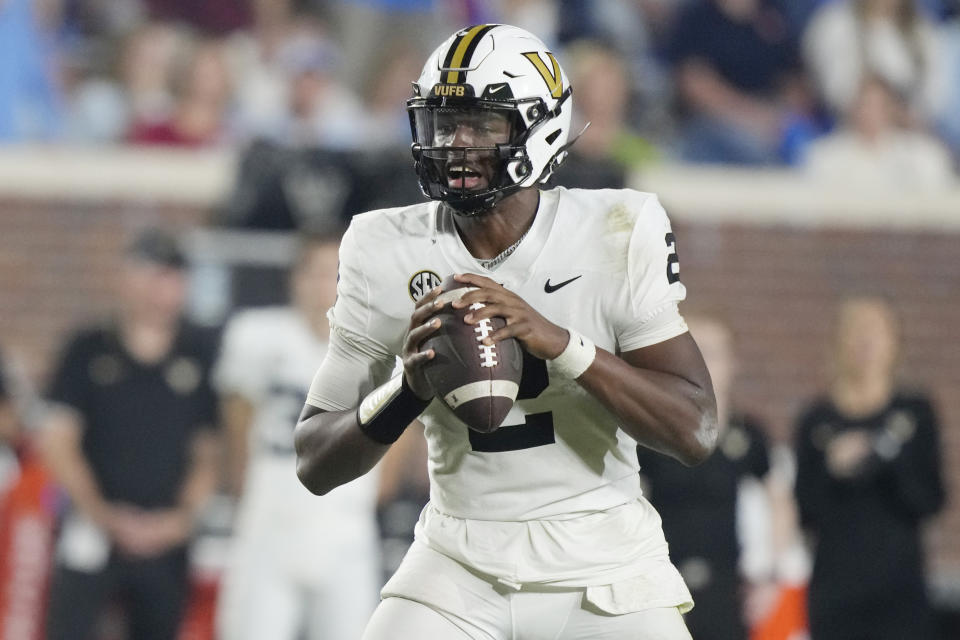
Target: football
{"points": [[479, 383]]}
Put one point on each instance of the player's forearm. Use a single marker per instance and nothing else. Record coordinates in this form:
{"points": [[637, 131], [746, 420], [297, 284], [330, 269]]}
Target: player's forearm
{"points": [[332, 450], [660, 410]]}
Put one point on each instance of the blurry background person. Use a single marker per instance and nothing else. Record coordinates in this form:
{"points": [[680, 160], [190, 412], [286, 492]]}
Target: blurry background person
{"points": [[699, 506], [609, 149], [946, 103], [875, 149], [321, 110], [385, 126], [130, 84], [868, 473], [363, 26], [302, 566], [202, 93], [129, 435], [848, 40], [30, 100], [734, 61]]}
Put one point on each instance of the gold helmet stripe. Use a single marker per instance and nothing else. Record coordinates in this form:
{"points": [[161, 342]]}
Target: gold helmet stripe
{"points": [[460, 52]]}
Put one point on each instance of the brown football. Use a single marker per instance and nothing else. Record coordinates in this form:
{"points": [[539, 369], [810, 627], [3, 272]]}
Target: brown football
{"points": [[478, 383]]}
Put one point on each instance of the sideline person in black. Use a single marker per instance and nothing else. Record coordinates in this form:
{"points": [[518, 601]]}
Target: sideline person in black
{"points": [[868, 473], [699, 506], [129, 435]]}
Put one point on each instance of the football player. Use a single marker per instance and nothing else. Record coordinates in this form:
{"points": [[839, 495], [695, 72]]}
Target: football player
{"points": [[299, 568], [538, 529]]}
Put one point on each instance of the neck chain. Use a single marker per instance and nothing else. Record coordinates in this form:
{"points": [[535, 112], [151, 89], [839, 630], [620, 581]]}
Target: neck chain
{"points": [[492, 263]]}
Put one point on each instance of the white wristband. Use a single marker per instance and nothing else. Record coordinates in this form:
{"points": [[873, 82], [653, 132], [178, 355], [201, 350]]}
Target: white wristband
{"points": [[576, 357]]}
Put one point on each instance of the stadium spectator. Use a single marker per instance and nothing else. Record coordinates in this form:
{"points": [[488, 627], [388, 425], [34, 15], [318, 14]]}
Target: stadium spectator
{"points": [[212, 17], [300, 567], [130, 437], [321, 111], [636, 31], [874, 149], [30, 101], [799, 13], [362, 26], [202, 93], [733, 60], [699, 507], [868, 474], [848, 40], [105, 95], [386, 125], [946, 104], [147, 64], [263, 59], [608, 148], [542, 16]]}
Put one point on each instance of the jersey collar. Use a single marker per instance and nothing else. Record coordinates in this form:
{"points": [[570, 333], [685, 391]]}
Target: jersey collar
{"points": [[516, 268]]}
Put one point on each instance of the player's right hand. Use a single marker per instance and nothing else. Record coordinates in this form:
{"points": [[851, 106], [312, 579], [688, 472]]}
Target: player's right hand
{"points": [[422, 325]]}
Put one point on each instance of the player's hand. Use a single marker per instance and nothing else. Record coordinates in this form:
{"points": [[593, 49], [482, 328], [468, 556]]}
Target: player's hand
{"points": [[540, 337], [422, 325]]}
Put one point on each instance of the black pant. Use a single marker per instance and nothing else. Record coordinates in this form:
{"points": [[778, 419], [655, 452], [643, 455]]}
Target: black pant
{"points": [[717, 612], [152, 592], [882, 619]]}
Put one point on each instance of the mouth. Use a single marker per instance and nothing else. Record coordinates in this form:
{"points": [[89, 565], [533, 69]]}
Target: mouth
{"points": [[461, 176]]}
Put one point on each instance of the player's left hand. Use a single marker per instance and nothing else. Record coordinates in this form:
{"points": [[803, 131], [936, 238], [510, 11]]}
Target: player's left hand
{"points": [[539, 336]]}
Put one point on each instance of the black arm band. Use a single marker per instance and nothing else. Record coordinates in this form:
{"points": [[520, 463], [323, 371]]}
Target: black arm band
{"points": [[388, 410]]}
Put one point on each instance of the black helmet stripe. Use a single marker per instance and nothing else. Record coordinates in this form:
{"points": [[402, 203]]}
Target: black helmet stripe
{"points": [[461, 50]]}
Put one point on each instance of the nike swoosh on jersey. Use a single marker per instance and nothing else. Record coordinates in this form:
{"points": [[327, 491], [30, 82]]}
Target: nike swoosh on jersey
{"points": [[550, 288]]}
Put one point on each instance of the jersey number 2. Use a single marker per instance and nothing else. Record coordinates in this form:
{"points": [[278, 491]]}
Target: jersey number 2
{"points": [[536, 429], [673, 260]]}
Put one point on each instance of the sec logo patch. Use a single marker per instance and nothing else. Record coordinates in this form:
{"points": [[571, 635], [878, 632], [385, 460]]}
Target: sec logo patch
{"points": [[421, 283]]}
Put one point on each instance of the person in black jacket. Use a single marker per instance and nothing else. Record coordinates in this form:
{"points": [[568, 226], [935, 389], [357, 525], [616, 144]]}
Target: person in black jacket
{"points": [[868, 474], [130, 437]]}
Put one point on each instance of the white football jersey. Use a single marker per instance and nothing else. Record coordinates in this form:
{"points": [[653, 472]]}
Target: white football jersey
{"points": [[600, 261], [268, 357]]}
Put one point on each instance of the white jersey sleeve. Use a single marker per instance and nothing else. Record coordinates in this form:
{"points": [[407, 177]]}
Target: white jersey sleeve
{"points": [[653, 281], [359, 358]]}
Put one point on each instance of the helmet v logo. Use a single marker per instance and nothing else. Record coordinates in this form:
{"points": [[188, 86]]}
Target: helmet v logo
{"points": [[552, 77]]}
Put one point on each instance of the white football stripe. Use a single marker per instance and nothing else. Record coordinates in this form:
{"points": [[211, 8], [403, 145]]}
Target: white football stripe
{"points": [[481, 389], [454, 294]]}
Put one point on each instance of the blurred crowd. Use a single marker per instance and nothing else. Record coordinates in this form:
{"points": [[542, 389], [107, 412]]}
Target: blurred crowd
{"points": [[872, 86]]}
